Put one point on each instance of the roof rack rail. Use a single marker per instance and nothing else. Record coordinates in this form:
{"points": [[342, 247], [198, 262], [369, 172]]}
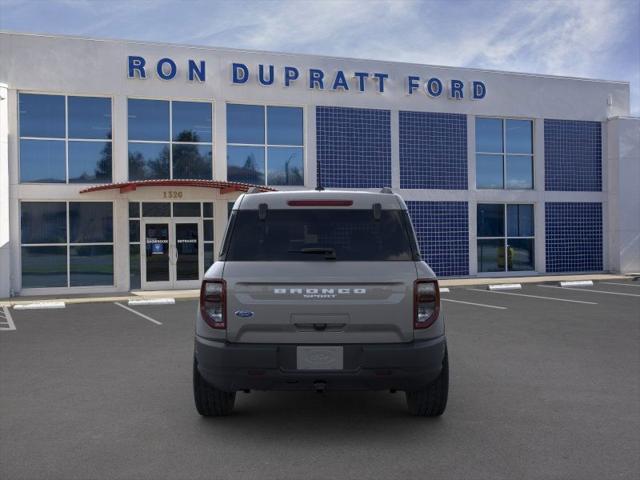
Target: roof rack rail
{"points": [[386, 190], [253, 190]]}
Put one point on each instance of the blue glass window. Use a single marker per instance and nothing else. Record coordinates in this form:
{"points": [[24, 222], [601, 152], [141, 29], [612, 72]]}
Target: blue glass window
{"points": [[148, 160], [48, 161], [91, 265], [192, 161], [46, 223], [285, 166], [42, 161], [43, 222], [490, 220], [207, 210], [191, 122], [186, 209], [44, 267], [519, 172], [89, 162], [186, 155], [91, 222], [520, 220], [148, 119], [245, 124], [284, 126], [489, 171], [512, 250], [504, 153], [245, 164], [519, 136], [89, 117], [489, 135], [42, 115], [134, 266]]}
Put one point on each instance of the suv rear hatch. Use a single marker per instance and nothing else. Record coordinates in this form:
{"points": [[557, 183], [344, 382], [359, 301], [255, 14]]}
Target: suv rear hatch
{"points": [[320, 275]]}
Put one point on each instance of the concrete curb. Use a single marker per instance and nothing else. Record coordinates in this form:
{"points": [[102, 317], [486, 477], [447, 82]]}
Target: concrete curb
{"points": [[193, 294]]}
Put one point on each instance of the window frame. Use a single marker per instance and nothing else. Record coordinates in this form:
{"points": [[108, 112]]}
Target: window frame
{"points": [[504, 154], [67, 244], [505, 238], [66, 139], [266, 145], [170, 142]]}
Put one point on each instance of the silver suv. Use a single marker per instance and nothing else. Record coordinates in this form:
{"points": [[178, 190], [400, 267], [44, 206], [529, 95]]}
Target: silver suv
{"points": [[320, 290]]}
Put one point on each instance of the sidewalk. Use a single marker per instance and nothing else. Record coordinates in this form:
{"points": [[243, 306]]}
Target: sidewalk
{"points": [[191, 294]]}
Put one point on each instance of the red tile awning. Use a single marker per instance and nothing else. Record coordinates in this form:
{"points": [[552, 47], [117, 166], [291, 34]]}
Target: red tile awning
{"points": [[223, 187]]}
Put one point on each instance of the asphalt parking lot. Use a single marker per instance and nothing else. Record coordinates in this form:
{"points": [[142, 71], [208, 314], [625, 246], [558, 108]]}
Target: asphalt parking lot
{"points": [[545, 383]]}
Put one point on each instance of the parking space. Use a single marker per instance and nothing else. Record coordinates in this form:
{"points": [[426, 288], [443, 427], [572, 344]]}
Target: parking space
{"points": [[545, 384]]}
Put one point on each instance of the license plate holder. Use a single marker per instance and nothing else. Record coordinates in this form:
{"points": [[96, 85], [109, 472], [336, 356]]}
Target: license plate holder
{"points": [[319, 357]]}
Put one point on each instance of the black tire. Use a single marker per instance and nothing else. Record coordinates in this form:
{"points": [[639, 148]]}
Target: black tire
{"points": [[210, 402], [432, 401]]}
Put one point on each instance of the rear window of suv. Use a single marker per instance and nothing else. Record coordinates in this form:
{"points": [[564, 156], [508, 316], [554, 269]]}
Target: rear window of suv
{"points": [[320, 235]]}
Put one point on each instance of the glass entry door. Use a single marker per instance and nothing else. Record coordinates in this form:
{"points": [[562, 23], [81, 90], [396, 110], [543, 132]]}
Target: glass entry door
{"points": [[173, 253], [188, 252]]}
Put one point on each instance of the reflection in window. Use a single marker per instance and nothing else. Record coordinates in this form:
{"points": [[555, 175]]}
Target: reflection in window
{"points": [[42, 161], [245, 124], [49, 246], [504, 153], [285, 166], [45, 160], [90, 162], [185, 153], [90, 222], [251, 154], [91, 265], [191, 122], [44, 267], [245, 164], [41, 116], [148, 161], [192, 161], [43, 222], [89, 117], [513, 252]]}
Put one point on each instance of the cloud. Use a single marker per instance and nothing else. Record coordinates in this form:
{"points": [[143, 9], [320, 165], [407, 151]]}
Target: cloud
{"points": [[589, 38]]}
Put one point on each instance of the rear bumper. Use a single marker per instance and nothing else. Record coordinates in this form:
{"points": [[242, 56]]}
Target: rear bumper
{"points": [[404, 366]]}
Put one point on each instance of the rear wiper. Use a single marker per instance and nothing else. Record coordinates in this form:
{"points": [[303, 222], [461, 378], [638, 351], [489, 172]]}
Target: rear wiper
{"points": [[329, 253]]}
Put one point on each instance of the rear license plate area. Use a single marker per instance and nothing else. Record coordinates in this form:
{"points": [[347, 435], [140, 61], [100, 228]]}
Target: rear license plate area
{"points": [[319, 358]]}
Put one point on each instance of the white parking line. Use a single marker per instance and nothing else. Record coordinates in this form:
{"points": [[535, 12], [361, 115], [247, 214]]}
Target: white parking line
{"points": [[138, 313], [153, 301], [590, 290], [533, 296], [7, 325], [623, 284], [475, 304]]}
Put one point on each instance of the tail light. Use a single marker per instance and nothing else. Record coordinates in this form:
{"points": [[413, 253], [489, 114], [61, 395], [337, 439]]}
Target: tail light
{"points": [[426, 303], [213, 299]]}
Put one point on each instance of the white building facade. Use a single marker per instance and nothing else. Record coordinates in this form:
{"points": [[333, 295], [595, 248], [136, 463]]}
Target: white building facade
{"points": [[119, 159]]}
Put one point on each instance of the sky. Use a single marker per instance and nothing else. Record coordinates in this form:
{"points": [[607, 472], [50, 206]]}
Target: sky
{"points": [[579, 38]]}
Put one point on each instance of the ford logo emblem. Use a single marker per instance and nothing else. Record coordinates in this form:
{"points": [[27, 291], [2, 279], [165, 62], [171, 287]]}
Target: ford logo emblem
{"points": [[244, 314]]}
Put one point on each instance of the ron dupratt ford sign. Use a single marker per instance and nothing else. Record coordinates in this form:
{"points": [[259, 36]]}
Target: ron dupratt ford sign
{"points": [[313, 78]]}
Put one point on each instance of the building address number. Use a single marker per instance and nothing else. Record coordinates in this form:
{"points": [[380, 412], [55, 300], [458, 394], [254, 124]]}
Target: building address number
{"points": [[172, 194]]}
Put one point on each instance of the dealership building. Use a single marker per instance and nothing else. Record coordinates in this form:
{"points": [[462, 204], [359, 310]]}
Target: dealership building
{"points": [[119, 160]]}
